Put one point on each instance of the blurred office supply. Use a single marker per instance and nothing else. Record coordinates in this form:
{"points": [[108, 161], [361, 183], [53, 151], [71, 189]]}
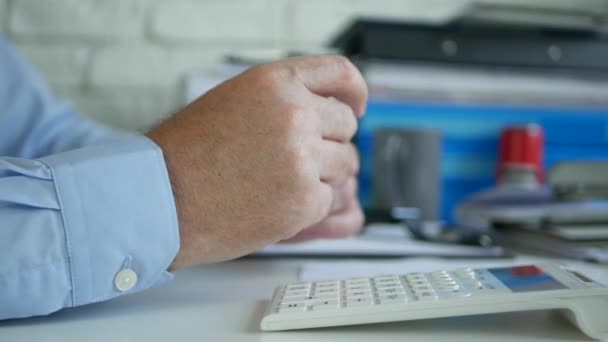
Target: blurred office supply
{"points": [[380, 240], [476, 44], [408, 164], [568, 217], [579, 180], [470, 79], [535, 242], [520, 157]]}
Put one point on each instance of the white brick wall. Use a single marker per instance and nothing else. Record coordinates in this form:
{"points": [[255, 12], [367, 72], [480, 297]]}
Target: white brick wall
{"points": [[125, 107], [121, 61], [317, 21], [78, 19], [242, 21], [145, 65]]}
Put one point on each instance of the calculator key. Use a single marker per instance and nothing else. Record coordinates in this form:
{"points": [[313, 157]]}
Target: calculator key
{"points": [[448, 287], [465, 273], [446, 283], [389, 285], [443, 278], [326, 289], [326, 284], [300, 299], [325, 296], [398, 297], [422, 288], [415, 275], [325, 305], [439, 274], [305, 299], [359, 293], [357, 281], [294, 293], [390, 291], [298, 287], [426, 295], [293, 307], [358, 288], [320, 291], [359, 302], [385, 278], [419, 282]]}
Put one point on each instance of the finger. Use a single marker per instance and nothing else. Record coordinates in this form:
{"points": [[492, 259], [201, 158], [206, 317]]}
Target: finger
{"points": [[332, 76], [344, 195], [344, 224], [322, 204], [337, 162], [337, 120]]}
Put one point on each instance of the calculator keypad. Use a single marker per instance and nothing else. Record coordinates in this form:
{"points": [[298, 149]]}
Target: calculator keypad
{"points": [[386, 290]]}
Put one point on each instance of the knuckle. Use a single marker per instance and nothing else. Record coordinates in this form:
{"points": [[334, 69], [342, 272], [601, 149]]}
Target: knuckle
{"points": [[294, 116], [295, 160], [309, 198], [295, 125], [299, 168], [265, 76], [350, 73]]}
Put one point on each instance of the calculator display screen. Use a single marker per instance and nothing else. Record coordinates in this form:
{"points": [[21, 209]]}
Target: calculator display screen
{"points": [[526, 279]]}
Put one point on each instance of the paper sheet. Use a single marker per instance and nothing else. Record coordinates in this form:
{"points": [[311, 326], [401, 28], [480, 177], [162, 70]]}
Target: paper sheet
{"points": [[380, 240], [316, 271]]}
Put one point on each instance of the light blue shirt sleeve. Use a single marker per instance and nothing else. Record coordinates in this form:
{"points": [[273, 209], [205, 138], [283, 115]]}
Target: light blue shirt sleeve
{"points": [[86, 213]]}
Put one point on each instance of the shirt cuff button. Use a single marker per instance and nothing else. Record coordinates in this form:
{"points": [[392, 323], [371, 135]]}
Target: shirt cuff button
{"points": [[125, 280]]}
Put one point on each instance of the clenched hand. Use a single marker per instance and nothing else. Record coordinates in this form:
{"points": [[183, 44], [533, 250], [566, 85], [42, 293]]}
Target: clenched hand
{"points": [[265, 157]]}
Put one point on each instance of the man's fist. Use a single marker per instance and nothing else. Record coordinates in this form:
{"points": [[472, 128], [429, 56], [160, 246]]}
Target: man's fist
{"points": [[265, 157]]}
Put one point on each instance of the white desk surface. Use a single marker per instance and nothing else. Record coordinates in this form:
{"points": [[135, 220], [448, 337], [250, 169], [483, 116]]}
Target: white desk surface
{"points": [[225, 302]]}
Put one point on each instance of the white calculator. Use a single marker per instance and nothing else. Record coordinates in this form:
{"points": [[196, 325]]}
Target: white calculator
{"points": [[441, 294]]}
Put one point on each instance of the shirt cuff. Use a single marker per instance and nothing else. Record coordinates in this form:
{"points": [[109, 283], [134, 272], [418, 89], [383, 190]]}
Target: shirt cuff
{"points": [[119, 217]]}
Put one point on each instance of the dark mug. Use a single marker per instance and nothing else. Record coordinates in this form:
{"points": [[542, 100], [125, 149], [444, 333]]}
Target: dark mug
{"points": [[407, 170]]}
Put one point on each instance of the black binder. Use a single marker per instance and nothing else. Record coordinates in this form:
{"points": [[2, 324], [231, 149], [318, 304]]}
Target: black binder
{"points": [[476, 44]]}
